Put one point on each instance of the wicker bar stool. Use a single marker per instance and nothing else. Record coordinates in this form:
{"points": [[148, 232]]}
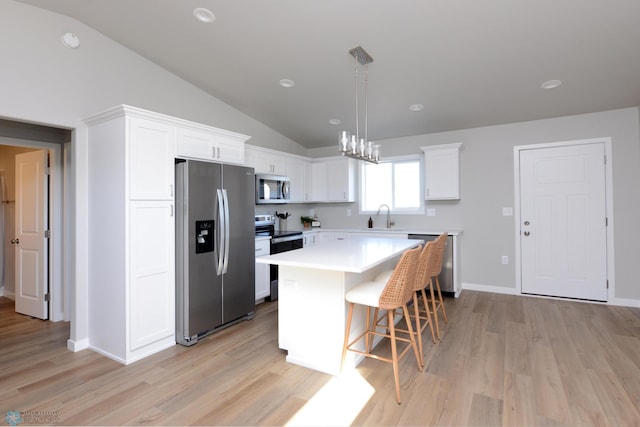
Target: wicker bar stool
{"points": [[434, 267], [386, 296], [421, 317]]}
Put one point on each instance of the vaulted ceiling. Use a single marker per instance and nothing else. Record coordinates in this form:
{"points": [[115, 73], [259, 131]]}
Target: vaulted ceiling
{"points": [[469, 63]]}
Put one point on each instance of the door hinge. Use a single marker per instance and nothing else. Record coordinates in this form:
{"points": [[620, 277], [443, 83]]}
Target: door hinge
{"points": [[606, 221], [47, 234], [47, 170], [47, 297], [607, 283]]}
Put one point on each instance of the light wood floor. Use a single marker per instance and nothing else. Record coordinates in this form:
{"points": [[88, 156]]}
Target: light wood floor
{"points": [[503, 360]]}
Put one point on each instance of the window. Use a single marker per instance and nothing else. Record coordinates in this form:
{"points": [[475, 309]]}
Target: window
{"points": [[395, 182]]}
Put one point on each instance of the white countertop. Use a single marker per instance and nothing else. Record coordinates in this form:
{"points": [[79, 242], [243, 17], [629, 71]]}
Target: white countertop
{"points": [[354, 255], [428, 232]]}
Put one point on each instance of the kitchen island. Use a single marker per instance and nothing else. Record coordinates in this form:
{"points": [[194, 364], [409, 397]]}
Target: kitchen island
{"points": [[311, 306]]}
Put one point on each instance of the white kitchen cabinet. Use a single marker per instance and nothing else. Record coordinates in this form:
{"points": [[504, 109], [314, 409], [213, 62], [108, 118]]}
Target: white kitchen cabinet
{"points": [[333, 180], [151, 159], [211, 144], [319, 182], [441, 171], [152, 273], [341, 180], [296, 170], [265, 161], [131, 233], [310, 238], [263, 281]]}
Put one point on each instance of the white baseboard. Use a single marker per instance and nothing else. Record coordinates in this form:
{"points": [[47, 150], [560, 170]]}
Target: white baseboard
{"points": [[76, 346], [624, 302], [487, 288], [10, 295]]}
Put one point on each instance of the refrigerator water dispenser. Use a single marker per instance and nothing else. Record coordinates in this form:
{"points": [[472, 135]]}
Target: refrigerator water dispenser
{"points": [[204, 236]]}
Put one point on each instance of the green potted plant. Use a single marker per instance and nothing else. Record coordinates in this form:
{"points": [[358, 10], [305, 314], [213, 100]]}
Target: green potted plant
{"points": [[306, 221]]}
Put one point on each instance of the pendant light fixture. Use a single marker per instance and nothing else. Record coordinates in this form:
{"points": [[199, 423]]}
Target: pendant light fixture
{"points": [[350, 144]]}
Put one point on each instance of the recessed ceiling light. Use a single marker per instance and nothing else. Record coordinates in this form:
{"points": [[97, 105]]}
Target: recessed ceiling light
{"points": [[335, 121], [287, 83], [551, 84], [70, 40], [204, 15], [416, 107]]}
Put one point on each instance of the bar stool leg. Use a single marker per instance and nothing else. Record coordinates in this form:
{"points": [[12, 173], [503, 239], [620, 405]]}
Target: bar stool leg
{"points": [[418, 327], [428, 313], [444, 312], [394, 354], [346, 335], [434, 307]]}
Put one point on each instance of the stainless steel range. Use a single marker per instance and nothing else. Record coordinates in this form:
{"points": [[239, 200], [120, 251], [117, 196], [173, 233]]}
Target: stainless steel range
{"points": [[281, 241]]}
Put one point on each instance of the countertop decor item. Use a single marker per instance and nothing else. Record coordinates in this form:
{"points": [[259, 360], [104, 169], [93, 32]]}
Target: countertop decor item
{"points": [[306, 221], [350, 144]]}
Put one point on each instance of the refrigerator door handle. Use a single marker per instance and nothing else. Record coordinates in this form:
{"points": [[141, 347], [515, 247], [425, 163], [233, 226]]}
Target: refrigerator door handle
{"points": [[221, 231], [227, 234]]}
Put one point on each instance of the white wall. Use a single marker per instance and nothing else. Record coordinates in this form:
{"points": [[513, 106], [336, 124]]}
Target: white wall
{"points": [[487, 185], [41, 81]]}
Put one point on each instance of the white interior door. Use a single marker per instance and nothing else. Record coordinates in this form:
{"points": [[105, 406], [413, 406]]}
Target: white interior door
{"points": [[563, 221], [30, 242]]}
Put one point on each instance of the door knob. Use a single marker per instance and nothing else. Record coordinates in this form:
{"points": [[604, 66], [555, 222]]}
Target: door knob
{"points": [[526, 233], [15, 241]]}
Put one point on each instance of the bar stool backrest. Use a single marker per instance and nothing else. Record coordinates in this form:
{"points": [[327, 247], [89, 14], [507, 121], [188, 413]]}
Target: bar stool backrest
{"points": [[399, 288], [435, 266], [427, 256]]}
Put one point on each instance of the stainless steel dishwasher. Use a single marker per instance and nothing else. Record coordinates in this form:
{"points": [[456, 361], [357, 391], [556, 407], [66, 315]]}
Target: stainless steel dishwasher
{"points": [[446, 275]]}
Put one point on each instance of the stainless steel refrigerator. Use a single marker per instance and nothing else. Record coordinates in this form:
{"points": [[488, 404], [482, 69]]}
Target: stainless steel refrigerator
{"points": [[215, 247]]}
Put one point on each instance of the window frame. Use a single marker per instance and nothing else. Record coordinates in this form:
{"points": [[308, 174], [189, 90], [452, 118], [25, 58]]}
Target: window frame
{"points": [[395, 159]]}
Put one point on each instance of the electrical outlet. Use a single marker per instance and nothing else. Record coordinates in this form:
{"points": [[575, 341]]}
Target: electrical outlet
{"points": [[348, 212], [505, 259], [507, 211], [431, 212]]}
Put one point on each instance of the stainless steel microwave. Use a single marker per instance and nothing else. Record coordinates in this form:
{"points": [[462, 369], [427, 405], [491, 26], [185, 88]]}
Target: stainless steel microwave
{"points": [[271, 189]]}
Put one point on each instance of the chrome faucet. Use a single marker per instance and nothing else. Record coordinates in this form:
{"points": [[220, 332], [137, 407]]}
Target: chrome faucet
{"points": [[389, 223]]}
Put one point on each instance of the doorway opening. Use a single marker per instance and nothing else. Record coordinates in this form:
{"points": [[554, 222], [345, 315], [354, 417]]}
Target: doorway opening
{"points": [[17, 138]]}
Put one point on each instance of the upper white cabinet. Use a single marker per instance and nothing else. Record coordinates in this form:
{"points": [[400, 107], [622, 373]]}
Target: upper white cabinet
{"points": [[318, 175], [265, 161], [441, 171], [151, 162], [333, 180], [211, 144], [296, 169], [341, 180]]}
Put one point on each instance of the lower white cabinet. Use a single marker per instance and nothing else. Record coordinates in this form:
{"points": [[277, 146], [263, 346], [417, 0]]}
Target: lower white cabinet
{"points": [[151, 274], [263, 280], [310, 238]]}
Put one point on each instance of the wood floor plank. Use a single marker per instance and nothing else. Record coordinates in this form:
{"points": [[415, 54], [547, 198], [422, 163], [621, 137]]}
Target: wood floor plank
{"points": [[502, 360], [485, 411]]}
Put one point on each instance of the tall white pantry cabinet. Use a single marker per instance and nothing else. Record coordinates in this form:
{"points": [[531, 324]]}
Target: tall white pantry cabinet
{"points": [[131, 233]]}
